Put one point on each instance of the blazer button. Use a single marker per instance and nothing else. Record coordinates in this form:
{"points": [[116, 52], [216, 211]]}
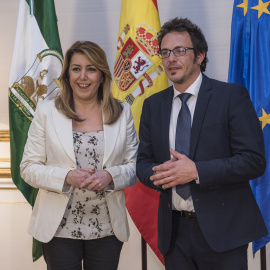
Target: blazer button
{"points": [[104, 167]]}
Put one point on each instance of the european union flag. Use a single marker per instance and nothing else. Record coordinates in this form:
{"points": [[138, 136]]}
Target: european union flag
{"points": [[250, 66]]}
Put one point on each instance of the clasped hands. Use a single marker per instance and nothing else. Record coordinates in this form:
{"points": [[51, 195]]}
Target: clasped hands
{"points": [[177, 171], [89, 178]]}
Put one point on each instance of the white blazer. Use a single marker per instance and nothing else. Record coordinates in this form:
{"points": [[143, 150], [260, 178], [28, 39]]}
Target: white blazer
{"points": [[49, 156]]}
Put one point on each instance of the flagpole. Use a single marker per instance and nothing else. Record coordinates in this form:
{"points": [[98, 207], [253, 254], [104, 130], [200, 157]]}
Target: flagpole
{"points": [[263, 258], [144, 254]]}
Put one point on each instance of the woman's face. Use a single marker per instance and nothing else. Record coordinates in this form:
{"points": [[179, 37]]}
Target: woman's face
{"points": [[84, 78]]}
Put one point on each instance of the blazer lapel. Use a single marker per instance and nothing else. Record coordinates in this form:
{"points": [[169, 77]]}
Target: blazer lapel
{"points": [[63, 129], [166, 108], [200, 109], [111, 134]]}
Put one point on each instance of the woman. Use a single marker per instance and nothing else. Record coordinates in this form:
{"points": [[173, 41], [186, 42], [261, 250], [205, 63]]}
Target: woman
{"points": [[81, 153]]}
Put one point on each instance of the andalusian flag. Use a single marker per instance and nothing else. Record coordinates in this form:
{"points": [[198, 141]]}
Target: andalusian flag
{"points": [[138, 73], [250, 66], [36, 67]]}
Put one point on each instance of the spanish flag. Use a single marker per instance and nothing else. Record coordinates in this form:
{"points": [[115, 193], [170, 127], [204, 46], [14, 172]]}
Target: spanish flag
{"points": [[138, 73]]}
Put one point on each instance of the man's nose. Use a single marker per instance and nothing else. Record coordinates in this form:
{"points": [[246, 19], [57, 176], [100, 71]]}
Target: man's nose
{"points": [[172, 57]]}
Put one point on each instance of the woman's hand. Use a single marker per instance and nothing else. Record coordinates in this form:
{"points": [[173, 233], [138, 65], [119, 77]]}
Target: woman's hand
{"points": [[76, 177], [97, 180]]}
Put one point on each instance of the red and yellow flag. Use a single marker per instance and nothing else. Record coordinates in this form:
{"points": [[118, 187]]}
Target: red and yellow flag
{"points": [[138, 73]]}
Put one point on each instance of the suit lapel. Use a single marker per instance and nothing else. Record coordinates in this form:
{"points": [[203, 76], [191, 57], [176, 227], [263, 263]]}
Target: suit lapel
{"points": [[166, 107], [63, 129], [200, 109]]}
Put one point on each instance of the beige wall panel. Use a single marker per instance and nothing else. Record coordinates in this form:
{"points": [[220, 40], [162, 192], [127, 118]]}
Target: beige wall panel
{"points": [[16, 243]]}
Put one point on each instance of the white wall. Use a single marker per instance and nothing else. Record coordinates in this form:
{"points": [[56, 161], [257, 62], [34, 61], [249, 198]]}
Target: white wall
{"points": [[97, 21]]}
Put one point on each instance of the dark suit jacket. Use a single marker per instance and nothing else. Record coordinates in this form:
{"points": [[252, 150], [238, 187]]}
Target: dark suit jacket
{"points": [[228, 150]]}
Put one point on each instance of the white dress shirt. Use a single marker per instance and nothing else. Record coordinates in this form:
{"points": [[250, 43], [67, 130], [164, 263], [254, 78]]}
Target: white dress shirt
{"points": [[178, 202]]}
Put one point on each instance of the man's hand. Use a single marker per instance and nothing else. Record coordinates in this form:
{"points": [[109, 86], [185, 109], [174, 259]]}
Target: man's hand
{"points": [[177, 171]]}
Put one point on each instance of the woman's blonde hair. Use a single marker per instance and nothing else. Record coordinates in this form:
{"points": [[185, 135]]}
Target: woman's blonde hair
{"points": [[64, 102]]}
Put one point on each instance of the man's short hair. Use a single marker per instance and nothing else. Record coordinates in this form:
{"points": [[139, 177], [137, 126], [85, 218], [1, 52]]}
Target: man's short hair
{"points": [[196, 35]]}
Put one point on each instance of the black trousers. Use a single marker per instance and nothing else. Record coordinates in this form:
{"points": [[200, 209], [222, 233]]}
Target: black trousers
{"points": [[70, 254], [190, 251]]}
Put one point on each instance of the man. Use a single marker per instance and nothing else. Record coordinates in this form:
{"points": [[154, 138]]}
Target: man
{"points": [[200, 150]]}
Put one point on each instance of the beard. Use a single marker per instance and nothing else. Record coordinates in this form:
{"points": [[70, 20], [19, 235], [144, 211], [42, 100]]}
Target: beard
{"points": [[181, 75]]}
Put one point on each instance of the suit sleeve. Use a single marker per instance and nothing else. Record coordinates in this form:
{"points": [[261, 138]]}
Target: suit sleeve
{"points": [[145, 159], [246, 141], [124, 175], [33, 166]]}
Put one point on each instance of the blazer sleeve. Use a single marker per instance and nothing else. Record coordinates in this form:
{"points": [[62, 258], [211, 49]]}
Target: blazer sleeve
{"points": [[33, 166], [124, 175], [247, 159]]}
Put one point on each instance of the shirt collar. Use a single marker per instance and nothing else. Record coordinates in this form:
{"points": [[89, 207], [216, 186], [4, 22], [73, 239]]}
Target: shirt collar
{"points": [[192, 89]]}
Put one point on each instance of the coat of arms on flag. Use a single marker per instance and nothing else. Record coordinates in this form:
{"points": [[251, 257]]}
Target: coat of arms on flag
{"points": [[138, 70], [136, 67], [40, 81]]}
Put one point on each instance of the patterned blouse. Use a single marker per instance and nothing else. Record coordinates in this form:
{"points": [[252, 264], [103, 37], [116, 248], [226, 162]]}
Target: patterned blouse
{"points": [[87, 215]]}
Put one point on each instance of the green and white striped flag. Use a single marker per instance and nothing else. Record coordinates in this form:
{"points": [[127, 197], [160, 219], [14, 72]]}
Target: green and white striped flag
{"points": [[36, 67]]}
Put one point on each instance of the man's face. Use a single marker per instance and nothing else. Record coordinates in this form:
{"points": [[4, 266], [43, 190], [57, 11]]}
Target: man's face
{"points": [[181, 70]]}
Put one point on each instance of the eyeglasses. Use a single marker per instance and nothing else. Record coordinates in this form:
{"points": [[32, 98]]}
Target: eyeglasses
{"points": [[178, 51]]}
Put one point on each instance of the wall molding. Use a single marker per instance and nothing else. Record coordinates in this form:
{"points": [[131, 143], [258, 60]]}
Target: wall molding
{"points": [[5, 173], [4, 135], [4, 159], [7, 183]]}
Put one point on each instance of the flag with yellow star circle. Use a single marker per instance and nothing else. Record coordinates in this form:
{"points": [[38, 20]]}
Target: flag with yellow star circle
{"points": [[250, 66]]}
